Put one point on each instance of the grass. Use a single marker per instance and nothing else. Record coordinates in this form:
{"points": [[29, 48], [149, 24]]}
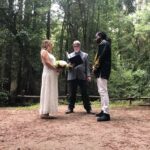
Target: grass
{"points": [[113, 104], [95, 104], [31, 107]]}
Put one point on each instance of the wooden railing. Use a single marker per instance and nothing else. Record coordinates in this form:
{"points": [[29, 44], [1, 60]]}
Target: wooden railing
{"points": [[92, 97]]}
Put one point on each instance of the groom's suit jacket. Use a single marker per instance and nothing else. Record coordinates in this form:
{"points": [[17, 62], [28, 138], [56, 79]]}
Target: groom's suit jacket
{"points": [[81, 71]]}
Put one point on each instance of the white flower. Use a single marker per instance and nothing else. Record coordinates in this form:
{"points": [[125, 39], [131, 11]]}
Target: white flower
{"points": [[62, 64]]}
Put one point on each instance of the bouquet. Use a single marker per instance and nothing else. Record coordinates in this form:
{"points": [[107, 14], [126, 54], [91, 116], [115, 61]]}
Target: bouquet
{"points": [[61, 64]]}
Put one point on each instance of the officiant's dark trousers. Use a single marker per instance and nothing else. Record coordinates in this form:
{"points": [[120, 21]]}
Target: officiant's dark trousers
{"points": [[72, 90]]}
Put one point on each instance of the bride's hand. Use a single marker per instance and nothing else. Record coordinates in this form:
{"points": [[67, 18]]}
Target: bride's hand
{"points": [[58, 70]]}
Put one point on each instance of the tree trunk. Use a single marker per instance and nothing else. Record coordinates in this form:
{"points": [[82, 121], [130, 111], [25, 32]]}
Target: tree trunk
{"points": [[48, 33], [61, 41]]}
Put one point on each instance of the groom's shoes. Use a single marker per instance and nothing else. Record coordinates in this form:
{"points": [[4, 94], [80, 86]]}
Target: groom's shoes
{"points": [[69, 111], [104, 117], [100, 114]]}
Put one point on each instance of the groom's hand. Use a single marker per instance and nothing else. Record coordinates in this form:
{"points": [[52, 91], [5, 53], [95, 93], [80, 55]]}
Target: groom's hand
{"points": [[89, 79]]}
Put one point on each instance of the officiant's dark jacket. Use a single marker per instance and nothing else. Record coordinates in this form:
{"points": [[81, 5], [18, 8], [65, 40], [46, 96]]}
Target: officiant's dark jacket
{"points": [[104, 69], [81, 71]]}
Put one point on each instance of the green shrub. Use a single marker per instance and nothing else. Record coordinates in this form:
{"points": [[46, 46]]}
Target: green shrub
{"points": [[4, 98]]}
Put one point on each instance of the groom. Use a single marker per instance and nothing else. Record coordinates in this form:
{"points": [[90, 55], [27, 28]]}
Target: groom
{"points": [[78, 76]]}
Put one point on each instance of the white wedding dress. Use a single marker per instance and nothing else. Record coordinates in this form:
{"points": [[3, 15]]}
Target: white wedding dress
{"points": [[49, 89]]}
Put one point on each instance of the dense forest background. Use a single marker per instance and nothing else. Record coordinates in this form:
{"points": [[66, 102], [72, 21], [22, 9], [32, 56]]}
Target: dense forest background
{"points": [[25, 23]]}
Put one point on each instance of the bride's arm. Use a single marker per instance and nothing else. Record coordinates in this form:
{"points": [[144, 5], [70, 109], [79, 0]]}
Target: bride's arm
{"points": [[45, 58]]}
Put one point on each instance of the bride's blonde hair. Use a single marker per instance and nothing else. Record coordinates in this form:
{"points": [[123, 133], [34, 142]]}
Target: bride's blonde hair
{"points": [[46, 43]]}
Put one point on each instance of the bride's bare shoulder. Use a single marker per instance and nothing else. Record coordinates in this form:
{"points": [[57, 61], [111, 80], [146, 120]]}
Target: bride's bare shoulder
{"points": [[43, 52]]}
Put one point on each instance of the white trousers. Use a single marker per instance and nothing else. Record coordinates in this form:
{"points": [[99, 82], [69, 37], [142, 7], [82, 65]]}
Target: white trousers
{"points": [[103, 92]]}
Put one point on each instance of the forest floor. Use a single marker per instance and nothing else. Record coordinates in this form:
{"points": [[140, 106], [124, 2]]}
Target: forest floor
{"points": [[22, 129]]}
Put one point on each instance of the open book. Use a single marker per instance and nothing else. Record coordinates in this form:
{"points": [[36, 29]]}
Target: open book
{"points": [[75, 60]]}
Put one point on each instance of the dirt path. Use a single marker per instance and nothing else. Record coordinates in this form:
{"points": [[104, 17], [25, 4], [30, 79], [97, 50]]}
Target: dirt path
{"points": [[129, 129]]}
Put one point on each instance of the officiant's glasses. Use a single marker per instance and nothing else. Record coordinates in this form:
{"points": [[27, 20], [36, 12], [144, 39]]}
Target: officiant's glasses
{"points": [[76, 45]]}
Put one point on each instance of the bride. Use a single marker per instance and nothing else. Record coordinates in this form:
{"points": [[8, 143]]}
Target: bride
{"points": [[49, 86]]}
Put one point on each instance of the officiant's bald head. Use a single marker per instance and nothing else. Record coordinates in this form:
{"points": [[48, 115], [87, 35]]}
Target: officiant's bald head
{"points": [[76, 43]]}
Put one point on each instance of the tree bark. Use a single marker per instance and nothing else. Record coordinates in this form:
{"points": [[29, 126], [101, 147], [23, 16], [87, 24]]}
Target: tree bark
{"points": [[48, 33]]}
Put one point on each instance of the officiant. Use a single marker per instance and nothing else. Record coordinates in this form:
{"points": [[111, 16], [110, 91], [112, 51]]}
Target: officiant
{"points": [[78, 75]]}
